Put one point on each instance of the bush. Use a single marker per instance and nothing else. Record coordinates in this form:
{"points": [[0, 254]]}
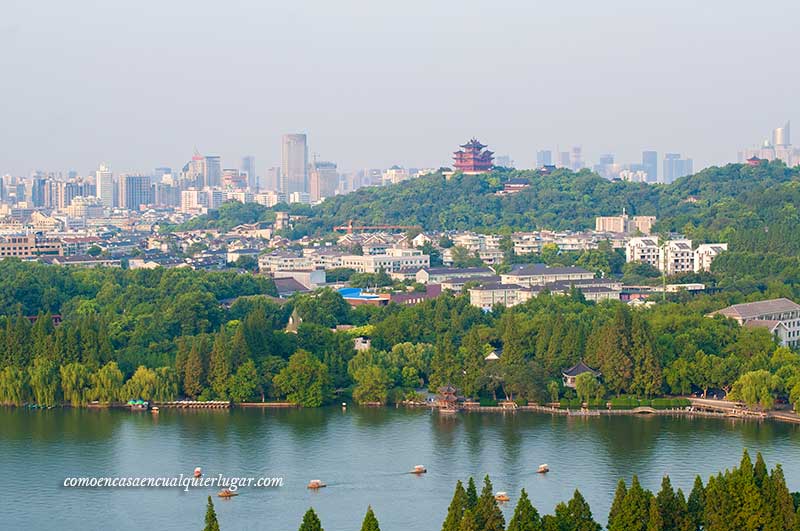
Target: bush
{"points": [[563, 403], [597, 403], [624, 402], [521, 401], [488, 402]]}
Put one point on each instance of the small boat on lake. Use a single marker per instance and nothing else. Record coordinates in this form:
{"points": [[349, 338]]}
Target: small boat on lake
{"points": [[227, 493], [138, 405], [154, 410], [198, 472], [501, 497], [419, 469], [316, 484], [543, 469]]}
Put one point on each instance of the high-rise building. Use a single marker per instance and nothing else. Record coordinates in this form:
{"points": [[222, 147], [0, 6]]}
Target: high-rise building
{"points": [[781, 137], [233, 179], [272, 179], [675, 167], [248, 168], [650, 165], [135, 191], [323, 180], [575, 158], [563, 159], [504, 161], [544, 158], [294, 164], [213, 171], [104, 185], [159, 173]]}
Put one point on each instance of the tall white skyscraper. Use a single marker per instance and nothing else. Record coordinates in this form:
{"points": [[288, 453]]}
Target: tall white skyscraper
{"points": [[294, 164], [781, 137], [104, 182]]}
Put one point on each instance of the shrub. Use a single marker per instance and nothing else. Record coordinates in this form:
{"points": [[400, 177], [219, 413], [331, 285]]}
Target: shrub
{"points": [[488, 402]]}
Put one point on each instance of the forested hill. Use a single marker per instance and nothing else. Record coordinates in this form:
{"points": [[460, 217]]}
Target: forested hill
{"points": [[717, 200]]}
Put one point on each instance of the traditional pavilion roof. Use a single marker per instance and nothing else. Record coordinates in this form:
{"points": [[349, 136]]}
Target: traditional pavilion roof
{"points": [[473, 143], [580, 368]]}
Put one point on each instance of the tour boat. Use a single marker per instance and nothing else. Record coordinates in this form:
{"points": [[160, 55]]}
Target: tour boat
{"points": [[198, 472], [154, 409], [419, 469], [543, 469], [501, 497], [227, 493], [316, 484]]}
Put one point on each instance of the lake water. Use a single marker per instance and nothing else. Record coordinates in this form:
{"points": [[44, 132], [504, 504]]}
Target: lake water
{"points": [[363, 455]]}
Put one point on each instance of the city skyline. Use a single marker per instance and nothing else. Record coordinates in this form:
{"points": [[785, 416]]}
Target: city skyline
{"points": [[338, 94]]}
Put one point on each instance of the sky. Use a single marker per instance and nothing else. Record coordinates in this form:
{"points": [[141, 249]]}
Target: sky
{"points": [[140, 84]]}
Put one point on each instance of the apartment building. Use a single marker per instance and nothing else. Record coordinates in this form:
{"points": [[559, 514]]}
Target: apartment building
{"points": [[780, 316], [644, 250], [705, 254], [677, 257], [540, 274], [29, 246], [386, 262]]}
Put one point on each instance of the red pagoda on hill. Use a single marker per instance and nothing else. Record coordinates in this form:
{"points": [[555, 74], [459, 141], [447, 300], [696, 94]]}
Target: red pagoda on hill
{"points": [[473, 158]]}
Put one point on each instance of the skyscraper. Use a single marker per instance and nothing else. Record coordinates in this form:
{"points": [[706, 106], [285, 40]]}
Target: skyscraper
{"points": [[104, 185], [134, 191], [249, 167], [675, 167], [544, 158], [781, 137], [213, 171], [273, 178], [650, 165], [323, 180], [294, 164], [576, 158]]}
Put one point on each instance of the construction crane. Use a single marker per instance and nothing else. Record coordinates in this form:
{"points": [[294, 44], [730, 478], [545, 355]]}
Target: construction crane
{"points": [[351, 227]]}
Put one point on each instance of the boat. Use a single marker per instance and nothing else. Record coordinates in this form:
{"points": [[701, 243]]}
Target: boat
{"points": [[316, 484], [447, 410], [138, 405], [154, 409], [419, 469], [227, 493], [198, 472], [543, 469], [501, 497]]}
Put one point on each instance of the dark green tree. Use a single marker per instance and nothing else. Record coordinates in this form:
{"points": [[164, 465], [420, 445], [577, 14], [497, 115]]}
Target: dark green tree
{"points": [[310, 522], [488, 516], [370, 522], [211, 517], [526, 517], [456, 510]]}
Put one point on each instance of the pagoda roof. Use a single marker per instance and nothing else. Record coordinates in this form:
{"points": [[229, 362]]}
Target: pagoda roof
{"points": [[473, 143], [580, 368]]}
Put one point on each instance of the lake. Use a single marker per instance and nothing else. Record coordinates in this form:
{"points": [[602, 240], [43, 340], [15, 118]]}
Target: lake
{"points": [[363, 454]]}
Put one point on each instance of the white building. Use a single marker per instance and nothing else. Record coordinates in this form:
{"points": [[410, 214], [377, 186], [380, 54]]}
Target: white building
{"points": [[385, 262], [705, 254], [779, 316], [677, 257], [644, 250]]}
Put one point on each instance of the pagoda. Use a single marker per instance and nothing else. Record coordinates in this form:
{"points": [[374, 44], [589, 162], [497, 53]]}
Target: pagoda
{"points": [[473, 157]]}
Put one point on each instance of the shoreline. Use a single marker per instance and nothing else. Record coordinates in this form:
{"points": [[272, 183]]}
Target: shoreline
{"points": [[721, 410]]}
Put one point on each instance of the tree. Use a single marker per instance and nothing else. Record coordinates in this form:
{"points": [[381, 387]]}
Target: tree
{"points": [[44, 381], [372, 385], [455, 511], [219, 365], [243, 384], [193, 372], [305, 380], [75, 383], [756, 389], [13, 386], [655, 521], [581, 515], [142, 385], [311, 522], [587, 386], [106, 383], [488, 516], [696, 505], [468, 522], [472, 494], [635, 511], [211, 517], [370, 522], [526, 517], [618, 503]]}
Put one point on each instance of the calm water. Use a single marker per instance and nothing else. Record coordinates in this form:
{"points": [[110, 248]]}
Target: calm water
{"points": [[362, 454]]}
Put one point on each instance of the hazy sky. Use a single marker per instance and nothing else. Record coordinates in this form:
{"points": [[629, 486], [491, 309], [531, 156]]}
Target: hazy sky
{"points": [[373, 82]]}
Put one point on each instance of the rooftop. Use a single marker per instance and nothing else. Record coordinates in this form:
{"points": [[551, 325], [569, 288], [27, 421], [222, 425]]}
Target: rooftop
{"points": [[752, 310]]}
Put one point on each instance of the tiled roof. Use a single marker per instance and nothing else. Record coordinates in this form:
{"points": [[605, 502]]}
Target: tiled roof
{"points": [[751, 310]]}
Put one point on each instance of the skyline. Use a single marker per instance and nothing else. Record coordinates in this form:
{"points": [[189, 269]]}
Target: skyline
{"points": [[138, 87]]}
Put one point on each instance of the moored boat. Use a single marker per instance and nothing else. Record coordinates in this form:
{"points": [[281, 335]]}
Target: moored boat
{"points": [[316, 484], [227, 493]]}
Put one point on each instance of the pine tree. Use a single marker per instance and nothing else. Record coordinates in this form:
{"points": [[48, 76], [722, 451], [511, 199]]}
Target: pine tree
{"points": [[468, 522], [779, 502], [193, 371], [370, 522], [760, 473], [526, 517], [654, 521], [696, 504], [310, 522], [472, 494], [488, 516], [219, 369], [749, 505], [635, 511], [211, 517], [239, 352], [669, 507], [581, 514], [618, 503], [456, 510]]}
